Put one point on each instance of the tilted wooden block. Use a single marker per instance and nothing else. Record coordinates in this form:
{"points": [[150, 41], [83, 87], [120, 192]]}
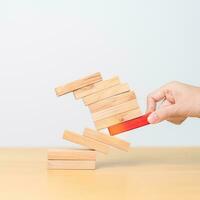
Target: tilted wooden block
{"points": [[129, 105], [85, 91], [71, 154], [103, 94], [85, 141], [71, 164], [107, 122], [107, 139], [111, 101], [70, 87], [129, 125]]}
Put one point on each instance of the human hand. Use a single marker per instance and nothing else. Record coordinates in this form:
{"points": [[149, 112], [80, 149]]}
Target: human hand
{"points": [[178, 101]]}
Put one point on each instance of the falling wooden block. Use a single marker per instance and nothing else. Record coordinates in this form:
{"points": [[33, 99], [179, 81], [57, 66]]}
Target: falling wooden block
{"points": [[71, 154], [121, 108], [122, 117], [71, 164], [111, 101], [85, 91], [70, 87], [103, 94], [85, 141], [107, 139]]}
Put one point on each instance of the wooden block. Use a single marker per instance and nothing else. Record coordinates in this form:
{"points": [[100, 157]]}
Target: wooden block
{"points": [[71, 154], [109, 92], [129, 125], [70, 87], [112, 101], [85, 91], [85, 141], [107, 139], [121, 108], [122, 117], [71, 164]]}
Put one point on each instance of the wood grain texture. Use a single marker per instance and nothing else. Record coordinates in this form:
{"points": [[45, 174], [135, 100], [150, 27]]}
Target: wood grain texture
{"points": [[109, 92], [114, 110], [70, 87], [140, 174], [111, 101], [107, 139], [85, 141], [122, 117], [71, 164], [88, 90], [71, 154]]}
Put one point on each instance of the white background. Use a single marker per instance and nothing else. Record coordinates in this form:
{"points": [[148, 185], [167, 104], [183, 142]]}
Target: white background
{"points": [[44, 44]]}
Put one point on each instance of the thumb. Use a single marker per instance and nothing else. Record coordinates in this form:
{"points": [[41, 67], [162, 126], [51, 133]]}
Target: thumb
{"points": [[162, 114]]}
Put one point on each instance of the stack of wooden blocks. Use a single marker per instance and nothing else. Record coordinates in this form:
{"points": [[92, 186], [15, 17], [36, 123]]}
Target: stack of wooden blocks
{"points": [[110, 102], [94, 140]]}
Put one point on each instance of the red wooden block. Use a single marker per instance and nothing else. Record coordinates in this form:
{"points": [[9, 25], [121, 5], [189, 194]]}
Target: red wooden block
{"points": [[129, 125]]}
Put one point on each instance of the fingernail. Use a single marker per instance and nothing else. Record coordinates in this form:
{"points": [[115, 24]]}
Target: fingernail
{"points": [[153, 118]]}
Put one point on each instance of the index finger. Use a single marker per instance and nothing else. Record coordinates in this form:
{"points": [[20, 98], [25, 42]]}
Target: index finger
{"points": [[153, 98]]}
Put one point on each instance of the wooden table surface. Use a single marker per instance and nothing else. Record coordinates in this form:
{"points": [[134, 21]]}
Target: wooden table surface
{"points": [[142, 173]]}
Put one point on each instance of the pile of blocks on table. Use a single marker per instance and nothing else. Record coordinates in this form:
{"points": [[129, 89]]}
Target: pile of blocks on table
{"points": [[110, 102]]}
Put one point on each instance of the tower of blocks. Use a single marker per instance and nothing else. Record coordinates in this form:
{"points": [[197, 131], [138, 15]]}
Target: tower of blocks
{"points": [[110, 103]]}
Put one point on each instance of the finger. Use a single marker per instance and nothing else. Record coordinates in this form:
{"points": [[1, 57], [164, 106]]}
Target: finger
{"points": [[169, 96], [165, 103], [162, 114], [153, 98], [176, 120]]}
